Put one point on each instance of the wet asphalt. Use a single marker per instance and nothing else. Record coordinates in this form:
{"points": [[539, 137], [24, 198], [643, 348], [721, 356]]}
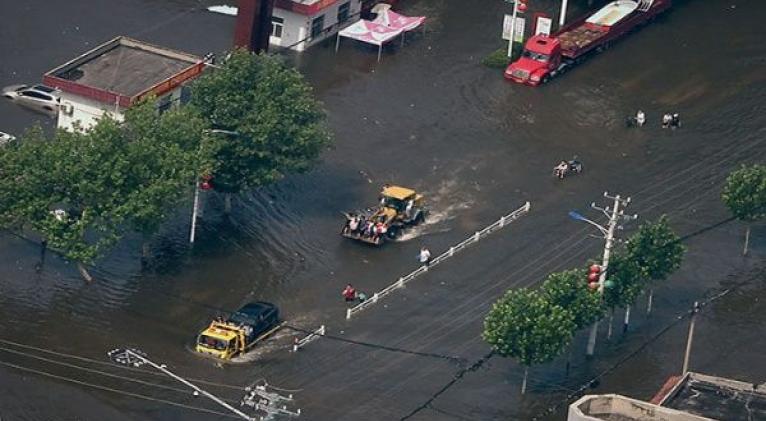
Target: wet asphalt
{"points": [[429, 116]]}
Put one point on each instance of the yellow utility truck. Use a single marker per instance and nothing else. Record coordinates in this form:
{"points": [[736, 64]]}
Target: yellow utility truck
{"points": [[239, 333]]}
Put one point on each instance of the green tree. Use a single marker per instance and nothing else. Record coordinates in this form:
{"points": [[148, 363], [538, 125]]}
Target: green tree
{"points": [[657, 250], [277, 125], [625, 282], [525, 326], [82, 190], [169, 153], [569, 290], [745, 195]]}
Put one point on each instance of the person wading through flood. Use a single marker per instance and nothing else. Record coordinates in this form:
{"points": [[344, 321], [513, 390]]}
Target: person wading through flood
{"points": [[424, 256], [349, 293]]}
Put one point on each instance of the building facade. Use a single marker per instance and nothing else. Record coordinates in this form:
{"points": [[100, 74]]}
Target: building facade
{"points": [[299, 24]]}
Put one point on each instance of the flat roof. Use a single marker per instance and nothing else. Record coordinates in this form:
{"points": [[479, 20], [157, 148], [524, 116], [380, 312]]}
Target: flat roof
{"points": [[718, 398], [124, 67]]}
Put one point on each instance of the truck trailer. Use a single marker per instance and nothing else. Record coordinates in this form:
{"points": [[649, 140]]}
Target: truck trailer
{"points": [[545, 57]]}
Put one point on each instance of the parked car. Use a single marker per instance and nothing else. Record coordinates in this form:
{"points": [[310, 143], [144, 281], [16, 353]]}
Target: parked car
{"points": [[37, 97], [5, 138]]}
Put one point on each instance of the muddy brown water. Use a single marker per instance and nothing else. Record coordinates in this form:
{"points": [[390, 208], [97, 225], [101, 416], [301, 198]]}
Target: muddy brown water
{"points": [[431, 117]]}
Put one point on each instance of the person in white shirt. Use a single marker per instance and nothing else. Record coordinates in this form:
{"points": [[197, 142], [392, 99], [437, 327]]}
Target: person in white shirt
{"points": [[425, 256]]}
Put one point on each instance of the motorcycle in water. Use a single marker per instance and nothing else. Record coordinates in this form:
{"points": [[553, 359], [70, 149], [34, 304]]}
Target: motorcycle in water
{"points": [[566, 168]]}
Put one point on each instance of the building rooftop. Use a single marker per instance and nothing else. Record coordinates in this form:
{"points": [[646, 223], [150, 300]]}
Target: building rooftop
{"points": [[621, 408], [717, 398], [124, 69]]}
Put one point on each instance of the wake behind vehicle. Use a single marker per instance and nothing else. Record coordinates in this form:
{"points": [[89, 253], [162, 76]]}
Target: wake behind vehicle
{"points": [[546, 57], [399, 209], [239, 333]]}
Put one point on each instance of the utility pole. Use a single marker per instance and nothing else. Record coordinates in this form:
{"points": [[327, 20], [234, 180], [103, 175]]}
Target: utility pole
{"points": [[563, 15], [270, 402], [615, 215], [136, 358], [513, 28], [194, 212], [689, 338]]}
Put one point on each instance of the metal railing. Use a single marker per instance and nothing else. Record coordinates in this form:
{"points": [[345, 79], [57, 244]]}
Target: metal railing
{"points": [[475, 237], [311, 337]]}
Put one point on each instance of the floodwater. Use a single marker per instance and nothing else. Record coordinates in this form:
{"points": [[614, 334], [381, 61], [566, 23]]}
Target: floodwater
{"points": [[431, 117]]}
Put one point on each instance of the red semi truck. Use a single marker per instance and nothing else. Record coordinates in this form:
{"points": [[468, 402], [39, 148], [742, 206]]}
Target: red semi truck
{"points": [[546, 57]]}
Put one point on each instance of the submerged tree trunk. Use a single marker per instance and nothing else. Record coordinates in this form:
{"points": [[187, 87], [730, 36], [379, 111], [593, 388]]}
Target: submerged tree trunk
{"points": [[227, 203], [84, 272], [145, 252], [611, 321], [524, 382], [626, 322], [43, 250], [747, 240]]}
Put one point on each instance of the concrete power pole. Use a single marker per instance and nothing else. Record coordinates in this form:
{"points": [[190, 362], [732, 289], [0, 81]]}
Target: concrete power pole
{"points": [[614, 214], [136, 358], [689, 338]]}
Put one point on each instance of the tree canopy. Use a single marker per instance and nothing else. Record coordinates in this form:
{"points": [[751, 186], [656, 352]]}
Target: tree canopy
{"points": [[656, 249], [525, 326], [625, 281], [82, 190], [745, 192], [277, 123], [569, 290]]}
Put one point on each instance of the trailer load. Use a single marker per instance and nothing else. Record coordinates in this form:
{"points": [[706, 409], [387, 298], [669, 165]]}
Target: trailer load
{"points": [[545, 57]]}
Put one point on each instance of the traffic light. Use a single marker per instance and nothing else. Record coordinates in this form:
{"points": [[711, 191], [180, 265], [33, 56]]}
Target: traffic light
{"points": [[594, 273], [206, 184]]}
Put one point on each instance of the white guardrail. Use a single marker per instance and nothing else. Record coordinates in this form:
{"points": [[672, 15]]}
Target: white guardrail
{"points": [[478, 235], [311, 337]]}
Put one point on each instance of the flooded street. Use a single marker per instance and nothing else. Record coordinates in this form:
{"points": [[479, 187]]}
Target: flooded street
{"points": [[431, 117]]}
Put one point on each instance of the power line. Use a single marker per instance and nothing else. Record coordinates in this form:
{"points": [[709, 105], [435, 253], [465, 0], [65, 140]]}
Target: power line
{"points": [[110, 364], [117, 391], [459, 360], [459, 375], [678, 319]]}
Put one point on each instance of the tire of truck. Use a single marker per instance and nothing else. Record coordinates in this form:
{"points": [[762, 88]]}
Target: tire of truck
{"points": [[420, 218], [546, 79], [393, 232]]}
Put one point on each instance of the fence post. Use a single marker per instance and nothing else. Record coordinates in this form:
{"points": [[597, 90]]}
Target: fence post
{"points": [[452, 251], [400, 283], [322, 330], [502, 221], [375, 297], [348, 314], [476, 236]]}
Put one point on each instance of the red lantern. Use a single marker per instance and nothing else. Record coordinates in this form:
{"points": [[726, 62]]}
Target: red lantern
{"points": [[521, 7], [593, 277], [593, 286], [205, 185], [594, 268]]}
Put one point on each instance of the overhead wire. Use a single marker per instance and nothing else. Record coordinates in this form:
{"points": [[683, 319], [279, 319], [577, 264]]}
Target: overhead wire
{"points": [[113, 390]]}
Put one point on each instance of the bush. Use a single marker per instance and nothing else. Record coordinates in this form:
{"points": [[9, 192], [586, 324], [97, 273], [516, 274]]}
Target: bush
{"points": [[498, 59]]}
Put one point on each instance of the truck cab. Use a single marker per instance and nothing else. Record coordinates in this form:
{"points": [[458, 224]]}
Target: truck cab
{"points": [[539, 61]]}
